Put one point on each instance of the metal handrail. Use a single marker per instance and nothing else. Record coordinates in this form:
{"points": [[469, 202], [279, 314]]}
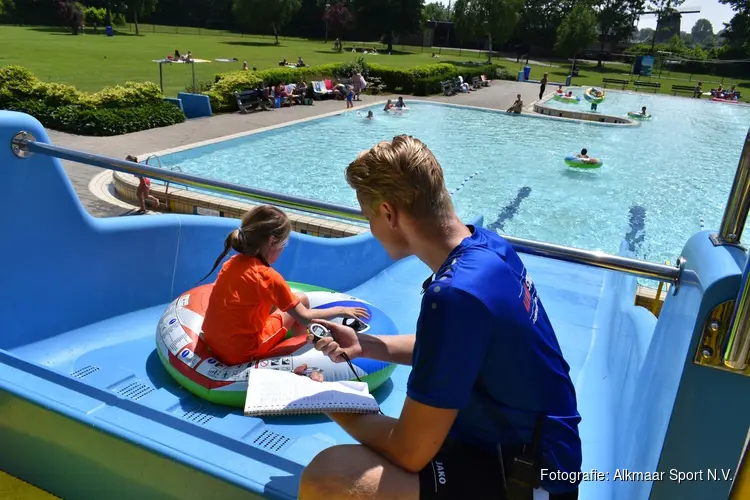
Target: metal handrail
{"points": [[645, 269]]}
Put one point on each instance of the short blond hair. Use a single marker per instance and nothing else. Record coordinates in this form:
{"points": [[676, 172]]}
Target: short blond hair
{"points": [[404, 173]]}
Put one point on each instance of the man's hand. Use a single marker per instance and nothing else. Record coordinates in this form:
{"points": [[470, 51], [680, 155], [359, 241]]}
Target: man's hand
{"points": [[344, 341], [316, 376]]}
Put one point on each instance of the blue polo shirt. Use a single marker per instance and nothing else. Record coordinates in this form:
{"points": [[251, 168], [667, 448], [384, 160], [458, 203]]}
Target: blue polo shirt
{"points": [[484, 345]]}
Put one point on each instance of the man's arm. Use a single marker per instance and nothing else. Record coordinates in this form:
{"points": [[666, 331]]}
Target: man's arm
{"points": [[397, 349], [409, 442]]}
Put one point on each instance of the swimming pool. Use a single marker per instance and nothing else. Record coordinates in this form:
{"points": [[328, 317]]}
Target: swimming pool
{"points": [[658, 181]]}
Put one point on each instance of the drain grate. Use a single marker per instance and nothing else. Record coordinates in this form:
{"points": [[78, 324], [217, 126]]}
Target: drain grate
{"points": [[85, 371], [135, 391], [272, 441], [200, 415]]}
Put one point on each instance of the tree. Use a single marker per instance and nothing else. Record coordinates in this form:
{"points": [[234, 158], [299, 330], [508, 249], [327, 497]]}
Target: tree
{"points": [[737, 32], [388, 18], [338, 18], [71, 13], [538, 24], [435, 11], [577, 31], [140, 8], [616, 20], [259, 14], [491, 18], [703, 32]]}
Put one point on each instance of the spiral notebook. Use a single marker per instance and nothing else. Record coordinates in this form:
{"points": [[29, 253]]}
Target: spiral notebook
{"points": [[275, 392]]}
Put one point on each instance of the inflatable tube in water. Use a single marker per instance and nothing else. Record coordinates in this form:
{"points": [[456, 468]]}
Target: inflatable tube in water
{"points": [[591, 98], [638, 116], [574, 161], [574, 99], [728, 101], [189, 361]]}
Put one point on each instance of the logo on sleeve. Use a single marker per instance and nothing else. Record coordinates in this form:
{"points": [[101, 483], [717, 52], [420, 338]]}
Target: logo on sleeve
{"points": [[529, 296]]}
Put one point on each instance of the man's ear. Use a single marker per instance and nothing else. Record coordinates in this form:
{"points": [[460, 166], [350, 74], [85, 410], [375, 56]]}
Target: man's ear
{"points": [[390, 213]]}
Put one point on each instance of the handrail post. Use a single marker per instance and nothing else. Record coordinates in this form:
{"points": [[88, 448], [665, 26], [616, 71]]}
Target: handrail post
{"points": [[738, 204], [737, 346]]}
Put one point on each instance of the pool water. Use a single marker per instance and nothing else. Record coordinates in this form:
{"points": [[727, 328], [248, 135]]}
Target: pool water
{"points": [[658, 181]]}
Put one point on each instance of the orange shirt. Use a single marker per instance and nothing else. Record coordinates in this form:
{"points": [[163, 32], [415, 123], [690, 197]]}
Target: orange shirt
{"points": [[240, 305]]}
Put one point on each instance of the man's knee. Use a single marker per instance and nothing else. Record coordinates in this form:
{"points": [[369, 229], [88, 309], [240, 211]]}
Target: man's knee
{"points": [[326, 475]]}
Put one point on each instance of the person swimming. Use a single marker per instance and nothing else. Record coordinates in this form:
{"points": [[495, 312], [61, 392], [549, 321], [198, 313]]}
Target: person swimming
{"points": [[643, 111], [584, 155], [388, 106], [370, 116]]}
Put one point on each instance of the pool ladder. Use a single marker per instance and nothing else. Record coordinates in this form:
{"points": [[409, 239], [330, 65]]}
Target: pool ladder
{"points": [[174, 168]]}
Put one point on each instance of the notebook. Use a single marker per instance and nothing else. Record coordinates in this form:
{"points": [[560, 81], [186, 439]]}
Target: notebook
{"points": [[275, 392]]}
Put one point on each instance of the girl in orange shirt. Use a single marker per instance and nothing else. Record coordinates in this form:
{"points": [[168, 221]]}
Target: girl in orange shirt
{"points": [[251, 307]]}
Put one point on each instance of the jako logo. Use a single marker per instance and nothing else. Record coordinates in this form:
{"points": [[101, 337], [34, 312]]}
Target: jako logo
{"points": [[440, 472]]}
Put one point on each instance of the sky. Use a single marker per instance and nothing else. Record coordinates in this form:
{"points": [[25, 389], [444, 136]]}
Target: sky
{"points": [[709, 9]]}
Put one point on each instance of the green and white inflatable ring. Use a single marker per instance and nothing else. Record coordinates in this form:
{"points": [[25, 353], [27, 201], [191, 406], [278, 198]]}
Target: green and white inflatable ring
{"points": [[190, 362]]}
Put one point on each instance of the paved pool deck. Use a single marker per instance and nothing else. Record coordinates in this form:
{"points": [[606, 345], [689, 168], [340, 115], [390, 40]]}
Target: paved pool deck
{"points": [[499, 95]]}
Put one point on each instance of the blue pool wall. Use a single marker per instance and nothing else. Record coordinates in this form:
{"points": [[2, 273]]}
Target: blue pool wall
{"points": [[57, 253]]}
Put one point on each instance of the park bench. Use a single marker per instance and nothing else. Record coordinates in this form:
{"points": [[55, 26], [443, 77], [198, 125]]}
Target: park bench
{"points": [[448, 87], [616, 81], [652, 85], [250, 99], [690, 89]]}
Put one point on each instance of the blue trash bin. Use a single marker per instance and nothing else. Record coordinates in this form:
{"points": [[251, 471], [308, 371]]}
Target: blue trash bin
{"points": [[520, 76], [109, 31], [526, 72]]}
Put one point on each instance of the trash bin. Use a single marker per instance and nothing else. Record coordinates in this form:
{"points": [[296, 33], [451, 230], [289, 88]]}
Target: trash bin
{"points": [[109, 31], [526, 72], [567, 80], [520, 75]]}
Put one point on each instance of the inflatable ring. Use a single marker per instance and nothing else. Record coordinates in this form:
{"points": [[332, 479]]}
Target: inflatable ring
{"points": [[638, 116], [189, 361], [591, 98], [728, 101], [574, 99], [574, 161]]}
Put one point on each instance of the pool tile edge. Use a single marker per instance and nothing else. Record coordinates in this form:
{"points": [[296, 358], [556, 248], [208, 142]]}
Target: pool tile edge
{"points": [[183, 201]]}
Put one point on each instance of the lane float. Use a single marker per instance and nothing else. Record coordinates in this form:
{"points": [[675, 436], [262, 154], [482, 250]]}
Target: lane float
{"points": [[189, 361]]}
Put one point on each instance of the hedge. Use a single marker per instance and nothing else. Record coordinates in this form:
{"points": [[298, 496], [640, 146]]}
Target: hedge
{"points": [[421, 80], [111, 111]]}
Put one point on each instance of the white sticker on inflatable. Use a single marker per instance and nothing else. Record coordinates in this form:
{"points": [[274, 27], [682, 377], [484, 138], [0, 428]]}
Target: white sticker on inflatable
{"points": [[174, 336], [191, 320], [213, 369], [188, 357], [284, 363], [168, 315], [183, 301]]}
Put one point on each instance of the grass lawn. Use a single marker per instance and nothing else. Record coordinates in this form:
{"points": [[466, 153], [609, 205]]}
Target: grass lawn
{"points": [[91, 62], [15, 489]]}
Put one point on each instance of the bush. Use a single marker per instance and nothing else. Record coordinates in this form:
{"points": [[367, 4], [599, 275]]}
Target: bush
{"points": [[111, 111], [84, 120], [422, 80]]}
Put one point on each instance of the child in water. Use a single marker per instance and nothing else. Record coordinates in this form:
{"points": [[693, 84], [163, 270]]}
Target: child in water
{"points": [[370, 116], [251, 307], [388, 106], [643, 111]]}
